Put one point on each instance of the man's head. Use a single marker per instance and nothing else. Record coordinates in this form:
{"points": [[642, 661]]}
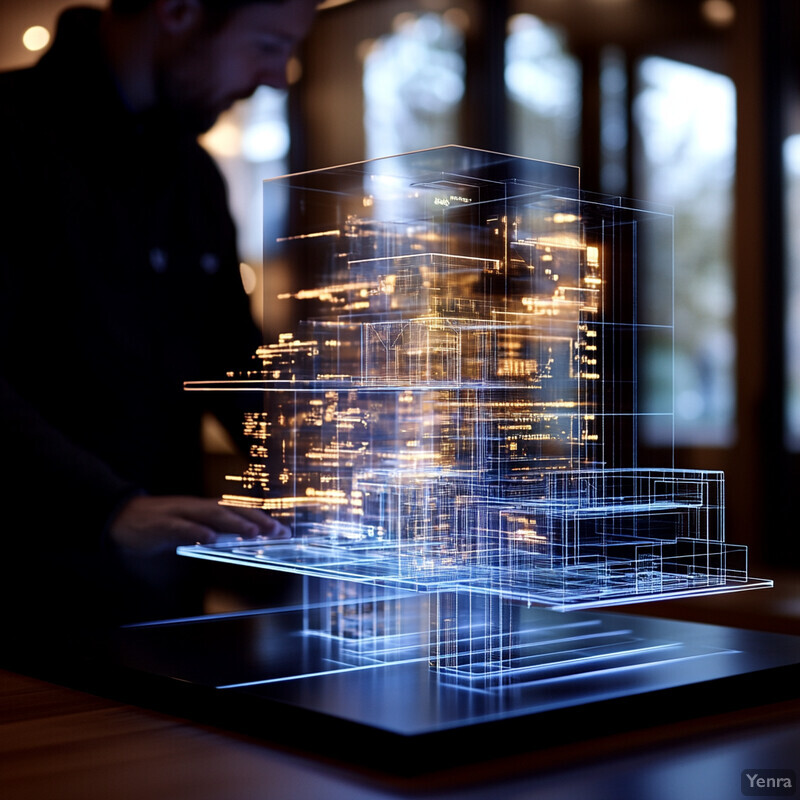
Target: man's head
{"points": [[206, 54]]}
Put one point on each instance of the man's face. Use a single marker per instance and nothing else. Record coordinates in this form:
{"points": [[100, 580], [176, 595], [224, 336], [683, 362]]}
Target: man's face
{"points": [[215, 66]]}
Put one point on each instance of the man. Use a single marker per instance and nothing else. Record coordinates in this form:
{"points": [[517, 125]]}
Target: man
{"points": [[118, 281]]}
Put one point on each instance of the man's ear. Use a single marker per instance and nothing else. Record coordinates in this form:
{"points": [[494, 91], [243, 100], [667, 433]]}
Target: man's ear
{"points": [[179, 16]]}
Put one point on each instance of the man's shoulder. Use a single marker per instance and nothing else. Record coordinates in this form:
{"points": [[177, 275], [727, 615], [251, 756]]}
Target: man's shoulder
{"points": [[23, 115], [18, 89], [29, 106], [65, 77]]}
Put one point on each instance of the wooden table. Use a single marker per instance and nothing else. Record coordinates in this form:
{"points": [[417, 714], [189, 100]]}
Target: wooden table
{"points": [[58, 743]]}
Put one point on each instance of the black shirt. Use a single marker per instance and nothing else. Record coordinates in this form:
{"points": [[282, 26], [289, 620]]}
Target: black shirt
{"points": [[119, 280]]}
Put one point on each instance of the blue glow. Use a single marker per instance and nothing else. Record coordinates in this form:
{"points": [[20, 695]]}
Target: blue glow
{"points": [[458, 415]]}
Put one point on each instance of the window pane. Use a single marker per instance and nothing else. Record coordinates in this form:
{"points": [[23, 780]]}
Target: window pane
{"points": [[685, 118], [250, 143], [613, 121], [543, 85], [413, 85], [791, 172]]}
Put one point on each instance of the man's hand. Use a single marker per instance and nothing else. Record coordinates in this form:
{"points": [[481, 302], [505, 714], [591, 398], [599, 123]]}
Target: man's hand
{"points": [[155, 523]]}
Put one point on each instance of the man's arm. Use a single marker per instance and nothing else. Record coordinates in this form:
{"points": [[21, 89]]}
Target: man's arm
{"points": [[50, 481], [53, 482]]}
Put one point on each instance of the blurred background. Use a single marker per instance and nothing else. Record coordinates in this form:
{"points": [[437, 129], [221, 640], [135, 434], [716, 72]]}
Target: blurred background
{"points": [[689, 103]]}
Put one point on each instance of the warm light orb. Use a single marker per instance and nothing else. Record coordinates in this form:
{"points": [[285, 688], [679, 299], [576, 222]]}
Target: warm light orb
{"points": [[224, 140], [36, 38], [249, 277], [719, 13], [294, 70]]}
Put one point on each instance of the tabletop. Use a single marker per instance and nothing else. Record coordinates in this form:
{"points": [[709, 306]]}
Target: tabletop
{"points": [[61, 743]]}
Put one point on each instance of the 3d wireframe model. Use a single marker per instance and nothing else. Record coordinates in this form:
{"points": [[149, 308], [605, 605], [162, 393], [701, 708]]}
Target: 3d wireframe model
{"points": [[457, 408]]}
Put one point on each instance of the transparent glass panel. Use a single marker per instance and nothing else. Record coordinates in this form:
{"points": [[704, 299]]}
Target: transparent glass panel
{"points": [[543, 86], [685, 118], [413, 85]]}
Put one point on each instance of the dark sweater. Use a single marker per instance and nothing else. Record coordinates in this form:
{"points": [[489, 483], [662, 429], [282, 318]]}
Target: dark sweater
{"points": [[119, 280]]}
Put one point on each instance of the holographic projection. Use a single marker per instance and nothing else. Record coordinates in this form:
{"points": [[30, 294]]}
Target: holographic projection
{"points": [[456, 412]]}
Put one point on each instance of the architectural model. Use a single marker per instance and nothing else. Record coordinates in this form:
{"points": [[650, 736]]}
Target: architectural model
{"points": [[456, 411]]}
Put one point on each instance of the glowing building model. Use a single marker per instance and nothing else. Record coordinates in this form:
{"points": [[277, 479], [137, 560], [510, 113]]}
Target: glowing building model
{"points": [[457, 410]]}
